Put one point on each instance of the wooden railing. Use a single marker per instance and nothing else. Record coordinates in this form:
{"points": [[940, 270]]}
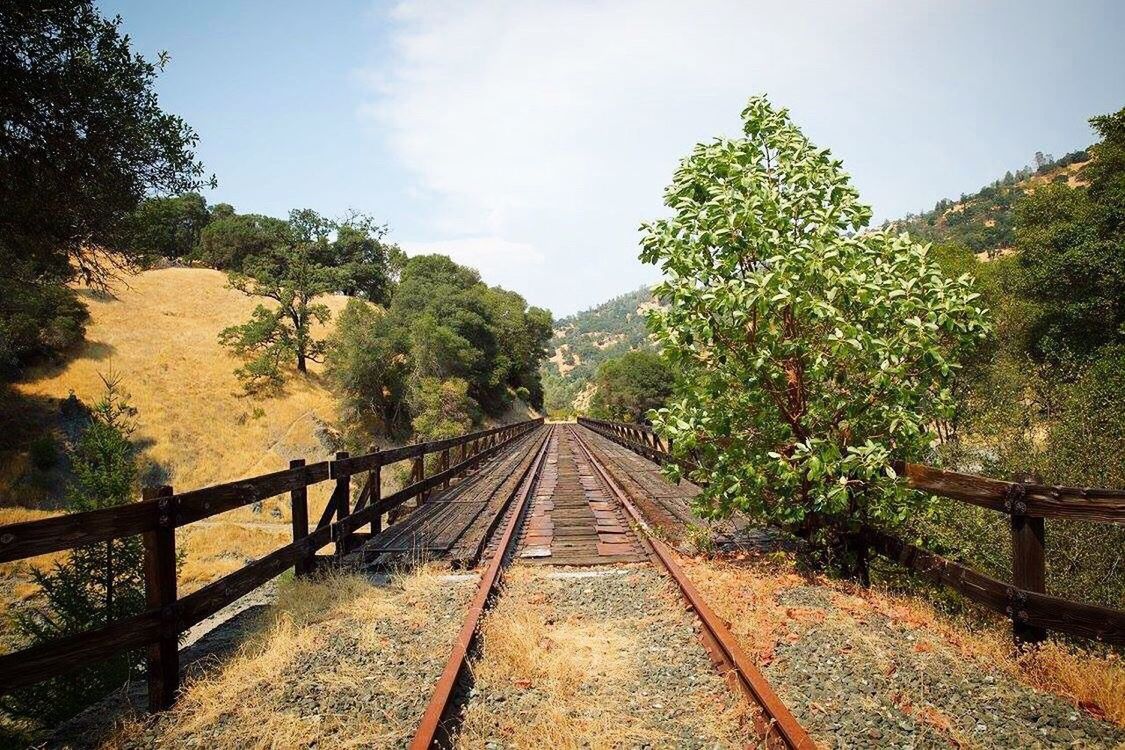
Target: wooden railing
{"points": [[161, 511], [1024, 600]]}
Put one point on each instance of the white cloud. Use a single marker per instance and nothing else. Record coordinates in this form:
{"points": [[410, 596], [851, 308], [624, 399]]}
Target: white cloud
{"points": [[501, 262], [547, 130]]}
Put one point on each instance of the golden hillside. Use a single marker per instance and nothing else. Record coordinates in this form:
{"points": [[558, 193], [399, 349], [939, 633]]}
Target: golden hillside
{"points": [[159, 333]]}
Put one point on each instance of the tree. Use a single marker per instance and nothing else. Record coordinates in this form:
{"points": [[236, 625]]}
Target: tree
{"points": [[84, 140], [442, 408], [1070, 242], [631, 385], [369, 365], [165, 227], [97, 583], [230, 239], [811, 353], [292, 274]]}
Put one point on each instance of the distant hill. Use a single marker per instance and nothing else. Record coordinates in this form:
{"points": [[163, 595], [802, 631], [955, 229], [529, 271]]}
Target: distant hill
{"points": [[584, 340], [984, 221]]}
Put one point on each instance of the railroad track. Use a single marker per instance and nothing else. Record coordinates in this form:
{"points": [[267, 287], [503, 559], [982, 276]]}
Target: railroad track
{"points": [[775, 724]]}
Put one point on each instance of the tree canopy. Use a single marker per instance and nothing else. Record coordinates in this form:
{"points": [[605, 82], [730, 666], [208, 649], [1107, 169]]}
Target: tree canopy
{"points": [[630, 386], [810, 352], [84, 141]]}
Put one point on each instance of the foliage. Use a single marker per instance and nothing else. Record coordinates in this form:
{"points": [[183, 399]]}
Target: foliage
{"points": [[94, 584], [84, 140], [630, 386], [461, 328], [588, 338], [442, 408], [314, 256], [229, 240], [1045, 398], [369, 365], [810, 356], [39, 321], [164, 227], [1070, 241]]}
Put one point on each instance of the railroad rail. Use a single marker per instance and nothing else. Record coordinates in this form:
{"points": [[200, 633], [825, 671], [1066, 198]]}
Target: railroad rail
{"points": [[775, 723], [1024, 601]]}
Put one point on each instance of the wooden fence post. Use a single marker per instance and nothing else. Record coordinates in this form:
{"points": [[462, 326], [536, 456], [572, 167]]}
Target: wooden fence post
{"points": [[299, 509], [445, 467], [376, 480], [419, 473], [343, 496], [163, 657], [1029, 568]]}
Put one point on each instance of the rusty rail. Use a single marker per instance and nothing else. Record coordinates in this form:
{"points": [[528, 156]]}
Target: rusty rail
{"points": [[778, 725], [430, 729]]}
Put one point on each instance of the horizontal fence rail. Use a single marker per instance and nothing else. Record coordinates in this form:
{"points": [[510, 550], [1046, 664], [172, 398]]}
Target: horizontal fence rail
{"points": [[1024, 601], [161, 511]]}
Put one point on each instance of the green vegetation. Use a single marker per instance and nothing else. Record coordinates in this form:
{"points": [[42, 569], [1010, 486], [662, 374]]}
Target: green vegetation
{"points": [[808, 356], [314, 256], [84, 140], [447, 348], [631, 385], [584, 340], [95, 584], [1046, 396]]}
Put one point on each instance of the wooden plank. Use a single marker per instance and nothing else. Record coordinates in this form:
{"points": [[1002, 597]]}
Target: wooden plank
{"points": [[1036, 609], [58, 657], [30, 538], [299, 512], [199, 504], [162, 662], [1080, 503], [1029, 570]]}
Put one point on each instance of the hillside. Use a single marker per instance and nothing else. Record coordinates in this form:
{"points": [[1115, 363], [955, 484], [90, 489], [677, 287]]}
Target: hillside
{"points": [[984, 221], [159, 333], [586, 339]]}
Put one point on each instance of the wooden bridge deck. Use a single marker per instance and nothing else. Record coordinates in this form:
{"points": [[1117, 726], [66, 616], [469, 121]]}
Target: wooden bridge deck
{"points": [[571, 521]]}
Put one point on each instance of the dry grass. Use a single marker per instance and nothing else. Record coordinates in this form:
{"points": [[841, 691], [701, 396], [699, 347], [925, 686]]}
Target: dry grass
{"points": [[160, 333], [215, 550], [744, 592], [256, 699], [568, 679]]}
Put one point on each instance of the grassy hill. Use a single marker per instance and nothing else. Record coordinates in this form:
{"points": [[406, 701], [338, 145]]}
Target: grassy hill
{"points": [[158, 332], [586, 339]]}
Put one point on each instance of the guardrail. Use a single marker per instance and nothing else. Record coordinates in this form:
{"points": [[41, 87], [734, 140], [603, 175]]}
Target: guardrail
{"points": [[161, 511], [1024, 601]]}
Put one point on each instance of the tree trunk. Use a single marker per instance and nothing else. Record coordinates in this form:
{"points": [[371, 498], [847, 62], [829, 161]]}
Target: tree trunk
{"points": [[301, 367]]}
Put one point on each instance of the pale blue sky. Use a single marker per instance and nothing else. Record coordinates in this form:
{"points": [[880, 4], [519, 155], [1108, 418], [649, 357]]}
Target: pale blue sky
{"points": [[529, 139]]}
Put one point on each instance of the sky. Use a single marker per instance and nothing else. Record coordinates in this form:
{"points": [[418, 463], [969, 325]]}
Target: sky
{"points": [[529, 139]]}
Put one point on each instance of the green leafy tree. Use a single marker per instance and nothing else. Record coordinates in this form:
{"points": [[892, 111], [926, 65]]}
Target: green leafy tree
{"points": [[630, 386], [292, 274], [369, 365], [442, 408], [84, 140], [95, 584], [230, 239], [811, 353], [1070, 241], [165, 227]]}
